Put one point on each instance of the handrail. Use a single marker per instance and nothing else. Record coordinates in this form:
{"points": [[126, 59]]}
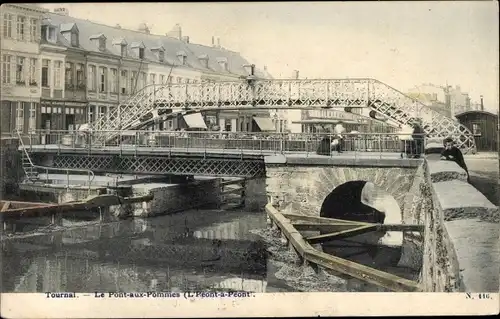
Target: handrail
{"points": [[46, 168]]}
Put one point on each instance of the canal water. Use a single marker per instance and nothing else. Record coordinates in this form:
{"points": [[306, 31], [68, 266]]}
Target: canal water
{"points": [[199, 249]]}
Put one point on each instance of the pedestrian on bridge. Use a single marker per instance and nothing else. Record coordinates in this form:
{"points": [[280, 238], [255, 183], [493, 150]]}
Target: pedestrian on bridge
{"points": [[453, 153], [418, 137], [404, 136], [339, 129]]}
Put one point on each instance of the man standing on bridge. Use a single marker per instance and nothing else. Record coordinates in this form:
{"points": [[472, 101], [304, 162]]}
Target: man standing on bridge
{"points": [[453, 153]]}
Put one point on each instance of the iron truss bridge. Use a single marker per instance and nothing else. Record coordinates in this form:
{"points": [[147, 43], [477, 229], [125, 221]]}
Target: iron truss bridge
{"points": [[155, 101], [147, 163]]}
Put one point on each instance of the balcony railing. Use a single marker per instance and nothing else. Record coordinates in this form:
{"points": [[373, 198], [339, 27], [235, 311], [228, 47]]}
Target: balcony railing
{"points": [[236, 141]]}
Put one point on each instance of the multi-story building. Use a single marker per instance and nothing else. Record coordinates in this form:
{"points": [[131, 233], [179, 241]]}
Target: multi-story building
{"points": [[443, 99], [87, 69], [21, 64]]}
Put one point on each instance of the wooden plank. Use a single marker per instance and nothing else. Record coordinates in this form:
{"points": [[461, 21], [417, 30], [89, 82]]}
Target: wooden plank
{"points": [[5, 206], [232, 191], [19, 213], [288, 230], [341, 234], [320, 220], [362, 272], [333, 227]]}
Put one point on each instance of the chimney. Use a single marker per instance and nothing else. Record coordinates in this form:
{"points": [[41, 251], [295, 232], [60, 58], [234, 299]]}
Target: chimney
{"points": [[218, 42], [482, 104], [213, 41], [118, 26], [62, 11], [295, 75], [185, 39], [265, 68]]}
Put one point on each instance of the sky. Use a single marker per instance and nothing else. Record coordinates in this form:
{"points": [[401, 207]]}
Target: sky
{"points": [[402, 44]]}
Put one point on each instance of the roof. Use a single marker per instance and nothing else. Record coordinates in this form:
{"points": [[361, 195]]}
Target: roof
{"points": [[172, 46], [476, 112]]}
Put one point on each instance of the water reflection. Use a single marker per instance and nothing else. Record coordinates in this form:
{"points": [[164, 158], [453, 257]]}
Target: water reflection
{"points": [[198, 249]]}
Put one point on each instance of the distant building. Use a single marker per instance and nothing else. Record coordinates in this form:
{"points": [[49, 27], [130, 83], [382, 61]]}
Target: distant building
{"points": [[446, 100]]}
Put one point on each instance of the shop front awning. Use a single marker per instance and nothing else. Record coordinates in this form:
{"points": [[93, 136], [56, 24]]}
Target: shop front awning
{"points": [[265, 124], [195, 120]]}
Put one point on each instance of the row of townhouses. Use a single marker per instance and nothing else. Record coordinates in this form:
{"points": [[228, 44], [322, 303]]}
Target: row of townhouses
{"points": [[59, 71]]}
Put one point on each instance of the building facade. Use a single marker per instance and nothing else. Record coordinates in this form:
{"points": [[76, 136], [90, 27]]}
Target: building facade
{"points": [[484, 126], [446, 100], [85, 69], [21, 65]]}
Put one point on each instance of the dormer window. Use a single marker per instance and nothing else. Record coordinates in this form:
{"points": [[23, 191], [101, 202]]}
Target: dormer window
{"points": [[182, 56], [159, 52], [138, 48], [100, 41], [203, 60], [223, 63], [49, 33], [70, 32], [121, 44]]}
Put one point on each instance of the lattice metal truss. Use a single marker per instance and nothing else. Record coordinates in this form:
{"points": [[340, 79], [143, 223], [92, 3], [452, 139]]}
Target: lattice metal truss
{"points": [[306, 94], [163, 165]]}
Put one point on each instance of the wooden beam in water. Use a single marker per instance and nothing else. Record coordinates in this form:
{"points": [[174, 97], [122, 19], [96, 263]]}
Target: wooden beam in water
{"points": [[321, 220], [334, 227], [5, 206], [362, 272], [341, 234]]}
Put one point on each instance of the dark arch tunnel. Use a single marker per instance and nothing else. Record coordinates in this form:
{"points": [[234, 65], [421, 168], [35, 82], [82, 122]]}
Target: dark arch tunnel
{"points": [[355, 201]]}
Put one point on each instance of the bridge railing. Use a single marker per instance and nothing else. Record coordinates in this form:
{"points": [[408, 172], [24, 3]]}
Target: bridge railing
{"points": [[216, 140]]}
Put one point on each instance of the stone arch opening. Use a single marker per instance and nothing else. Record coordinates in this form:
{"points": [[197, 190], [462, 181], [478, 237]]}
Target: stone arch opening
{"points": [[363, 201]]}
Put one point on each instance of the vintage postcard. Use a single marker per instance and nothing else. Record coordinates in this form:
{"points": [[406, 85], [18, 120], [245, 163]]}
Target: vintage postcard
{"points": [[249, 159]]}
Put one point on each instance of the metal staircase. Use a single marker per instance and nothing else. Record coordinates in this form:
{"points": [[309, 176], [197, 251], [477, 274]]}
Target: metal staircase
{"points": [[155, 100], [32, 171]]}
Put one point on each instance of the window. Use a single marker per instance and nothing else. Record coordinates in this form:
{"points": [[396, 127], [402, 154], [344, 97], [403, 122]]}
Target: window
{"points": [[7, 25], [45, 73], [57, 74], [32, 119], [476, 129], [52, 34], [170, 79], [143, 80], [102, 77], [74, 39], [102, 43], [6, 67], [113, 79], [91, 80], [152, 78], [33, 30], [141, 53], [68, 76], [162, 79], [161, 56], [80, 82], [20, 116], [123, 49], [179, 80], [133, 81], [21, 25], [32, 72], [123, 82], [20, 70]]}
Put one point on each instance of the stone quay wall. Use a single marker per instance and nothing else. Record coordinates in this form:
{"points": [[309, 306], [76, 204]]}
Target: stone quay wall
{"points": [[461, 251], [10, 166], [174, 198]]}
